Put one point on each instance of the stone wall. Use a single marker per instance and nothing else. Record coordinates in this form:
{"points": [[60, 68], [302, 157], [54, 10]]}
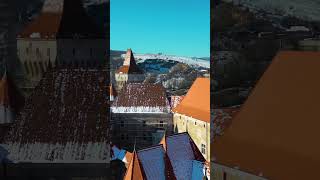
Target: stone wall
{"points": [[198, 130], [142, 128]]}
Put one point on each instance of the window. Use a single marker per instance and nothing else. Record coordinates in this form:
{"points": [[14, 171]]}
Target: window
{"points": [[203, 149], [48, 51], [204, 125], [122, 124], [195, 123], [26, 67], [35, 68], [224, 176], [144, 137], [161, 124], [144, 123], [122, 136], [37, 51], [91, 52]]}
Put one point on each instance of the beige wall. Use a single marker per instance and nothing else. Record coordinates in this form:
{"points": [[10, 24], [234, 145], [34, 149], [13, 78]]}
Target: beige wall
{"points": [[217, 173], [122, 79], [197, 129], [34, 56]]}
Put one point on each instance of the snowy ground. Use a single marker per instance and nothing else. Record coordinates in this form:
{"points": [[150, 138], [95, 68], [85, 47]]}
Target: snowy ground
{"points": [[304, 9], [190, 61]]}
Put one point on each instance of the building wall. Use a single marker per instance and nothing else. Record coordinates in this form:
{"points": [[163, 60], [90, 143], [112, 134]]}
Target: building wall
{"points": [[142, 128], [198, 130], [122, 79], [310, 45], [220, 172], [82, 52], [34, 55]]}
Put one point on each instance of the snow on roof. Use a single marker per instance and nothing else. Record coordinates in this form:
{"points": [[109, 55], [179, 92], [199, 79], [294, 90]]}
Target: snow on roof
{"points": [[141, 98], [65, 118], [221, 120], [196, 103]]}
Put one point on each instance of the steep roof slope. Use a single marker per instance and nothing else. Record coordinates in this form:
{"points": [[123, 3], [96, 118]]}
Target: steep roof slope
{"points": [[66, 118], [277, 129], [141, 97], [196, 103], [61, 19], [129, 65]]}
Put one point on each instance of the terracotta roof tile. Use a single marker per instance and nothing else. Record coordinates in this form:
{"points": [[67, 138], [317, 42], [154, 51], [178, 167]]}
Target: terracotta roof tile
{"points": [[196, 103], [276, 130], [68, 106], [140, 97]]}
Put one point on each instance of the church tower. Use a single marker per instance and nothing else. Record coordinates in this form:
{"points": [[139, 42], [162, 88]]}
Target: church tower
{"points": [[64, 35], [129, 72]]}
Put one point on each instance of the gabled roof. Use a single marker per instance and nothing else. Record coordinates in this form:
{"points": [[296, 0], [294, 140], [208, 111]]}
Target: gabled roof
{"points": [[10, 97], [61, 18], [196, 103], [66, 117], [129, 65], [141, 97], [277, 129], [180, 160], [134, 171], [112, 91]]}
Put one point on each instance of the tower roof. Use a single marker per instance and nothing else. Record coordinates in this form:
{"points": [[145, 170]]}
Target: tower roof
{"points": [[196, 103], [129, 64], [134, 171], [61, 19], [276, 130]]}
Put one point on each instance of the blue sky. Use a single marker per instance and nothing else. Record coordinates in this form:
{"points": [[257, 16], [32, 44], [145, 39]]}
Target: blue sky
{"points": [[173, 27]]}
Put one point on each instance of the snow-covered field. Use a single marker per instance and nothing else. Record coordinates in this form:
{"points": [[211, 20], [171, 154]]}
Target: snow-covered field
{"points": [[304, 9], [187, 60]]}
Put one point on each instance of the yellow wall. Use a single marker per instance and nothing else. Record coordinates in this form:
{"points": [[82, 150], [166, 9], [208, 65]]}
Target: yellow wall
{"points": [[197, 129]]}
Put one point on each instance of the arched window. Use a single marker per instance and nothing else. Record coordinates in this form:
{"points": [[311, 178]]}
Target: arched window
{"points": [[41, 68], [26, 67], [36, 70], [31, 68]]}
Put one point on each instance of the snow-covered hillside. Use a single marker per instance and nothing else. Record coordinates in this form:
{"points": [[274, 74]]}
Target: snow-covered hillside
{"points": [[187, 60], [304, 9]]}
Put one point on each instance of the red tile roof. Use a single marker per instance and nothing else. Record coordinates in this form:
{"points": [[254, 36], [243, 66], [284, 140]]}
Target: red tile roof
{"points": [[196, 103], [68, 106], [176, 152], [142, 95], [61, 18], [277, 129]]}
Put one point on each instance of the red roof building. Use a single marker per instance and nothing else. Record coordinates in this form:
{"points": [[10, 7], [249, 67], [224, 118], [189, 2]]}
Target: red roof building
{"points": [[275, 133], [64, 120], [176, 157]]}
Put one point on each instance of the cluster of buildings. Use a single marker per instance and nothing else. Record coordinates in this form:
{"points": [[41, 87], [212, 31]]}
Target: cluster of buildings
{"points": [[65, 121], [142, 115], [273, 134]]}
